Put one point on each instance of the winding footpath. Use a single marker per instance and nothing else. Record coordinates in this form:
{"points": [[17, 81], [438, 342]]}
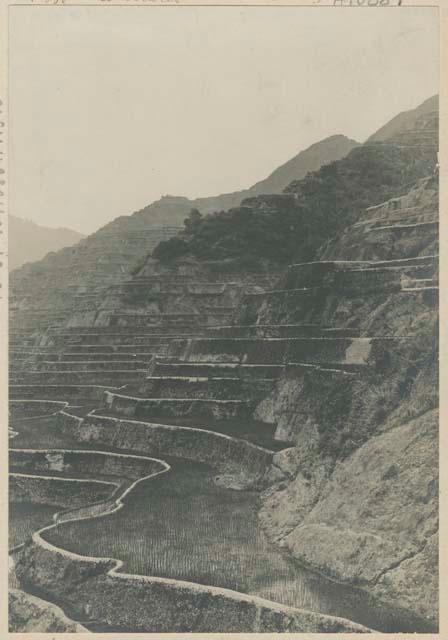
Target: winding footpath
{"points": [[215, 607]]}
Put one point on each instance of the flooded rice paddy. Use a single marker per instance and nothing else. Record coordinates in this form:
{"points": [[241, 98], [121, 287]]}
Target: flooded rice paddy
{"points": [[27, 517], [182, 525]]}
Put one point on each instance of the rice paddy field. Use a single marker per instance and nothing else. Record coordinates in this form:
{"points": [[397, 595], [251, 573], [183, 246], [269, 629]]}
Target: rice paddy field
{"points": [[41, 433], [182, 525], [27, 517]]}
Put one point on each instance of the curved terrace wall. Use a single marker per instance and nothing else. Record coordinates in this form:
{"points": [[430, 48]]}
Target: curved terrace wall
{"points": [[88, 498], [96, 463], [204, 408], [95, 588], [225, 453], [57, 491]]}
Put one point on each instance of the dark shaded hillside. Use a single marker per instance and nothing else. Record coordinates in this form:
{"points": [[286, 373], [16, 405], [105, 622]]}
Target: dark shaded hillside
{"points": [[311, 159], [77, 276], [292, 226], [172, 210], [330, 199], [28, 242]]}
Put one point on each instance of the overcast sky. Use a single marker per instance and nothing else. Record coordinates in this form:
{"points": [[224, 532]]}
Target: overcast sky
{"points": [[113, 107]]}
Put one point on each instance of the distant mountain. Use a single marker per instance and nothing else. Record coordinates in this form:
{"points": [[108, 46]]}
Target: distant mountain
{"points": [[172, 210], [28, 241], [314, 208], [311, 159], [112, 253], [425, 116]]}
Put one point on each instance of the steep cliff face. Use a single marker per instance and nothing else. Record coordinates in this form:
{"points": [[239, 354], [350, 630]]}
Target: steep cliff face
{"points": [[373, 520], [355, 496]]}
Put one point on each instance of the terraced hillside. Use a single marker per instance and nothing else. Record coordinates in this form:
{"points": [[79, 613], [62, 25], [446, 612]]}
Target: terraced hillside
{"points": [[220, 451], [293, 226], [77, 277]]}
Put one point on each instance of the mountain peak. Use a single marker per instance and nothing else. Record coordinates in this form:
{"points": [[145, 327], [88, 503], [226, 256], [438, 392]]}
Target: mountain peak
{"points": [[425, 115]]}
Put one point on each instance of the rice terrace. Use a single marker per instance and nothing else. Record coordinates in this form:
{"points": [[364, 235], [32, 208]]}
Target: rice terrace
{"points": [[223, 411]]}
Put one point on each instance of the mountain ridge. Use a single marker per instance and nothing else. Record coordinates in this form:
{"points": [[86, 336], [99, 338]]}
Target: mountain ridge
{"points": [[29, 241], [309, 159], [120, 248], [291, 226], [406, 120]]}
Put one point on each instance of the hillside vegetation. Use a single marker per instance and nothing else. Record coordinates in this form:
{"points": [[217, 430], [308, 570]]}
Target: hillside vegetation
{"points": [[291, 227]]}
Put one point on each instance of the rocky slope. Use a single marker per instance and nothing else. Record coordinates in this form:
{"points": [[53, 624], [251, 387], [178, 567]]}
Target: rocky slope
{"points": [[373, 521], [28, 614], [29, 242], [355, 496]]}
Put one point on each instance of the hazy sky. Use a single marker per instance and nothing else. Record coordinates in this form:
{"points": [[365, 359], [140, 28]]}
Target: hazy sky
{"points": [[113, 107]]}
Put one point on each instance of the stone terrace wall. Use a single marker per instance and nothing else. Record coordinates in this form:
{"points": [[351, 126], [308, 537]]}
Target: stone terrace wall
{"points": [[70, 392], [31, 408], [401, 227], [59, 492], [143, 604], [93, 463], [227, 454]]}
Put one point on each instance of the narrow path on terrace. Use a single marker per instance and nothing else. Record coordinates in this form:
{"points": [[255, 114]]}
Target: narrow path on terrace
{"points": [[182, 525], [25, 517]]}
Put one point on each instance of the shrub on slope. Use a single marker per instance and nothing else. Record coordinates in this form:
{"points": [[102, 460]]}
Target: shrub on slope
{"points": [[291, 227]]}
